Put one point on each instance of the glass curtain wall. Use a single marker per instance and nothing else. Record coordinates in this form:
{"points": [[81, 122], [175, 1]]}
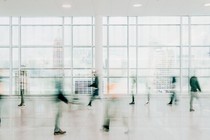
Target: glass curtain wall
{"points": [[153, 49], [43, 46]]}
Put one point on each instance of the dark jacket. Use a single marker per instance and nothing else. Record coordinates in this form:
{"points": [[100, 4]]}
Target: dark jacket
{"points": [[95, 83], [59, 93], [61, 97], [194, 84]]}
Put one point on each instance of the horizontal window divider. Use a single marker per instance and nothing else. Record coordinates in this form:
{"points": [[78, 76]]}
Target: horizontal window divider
{"points": [[43, 25], [47, 46], [158, 68], [202, 24], [83, 24], [143, 46], [141, 24], [5, 46], [198, 46], [82, 46]]}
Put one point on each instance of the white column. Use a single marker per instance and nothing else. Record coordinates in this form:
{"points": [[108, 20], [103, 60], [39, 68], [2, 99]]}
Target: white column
{"points": [[99, 50]]}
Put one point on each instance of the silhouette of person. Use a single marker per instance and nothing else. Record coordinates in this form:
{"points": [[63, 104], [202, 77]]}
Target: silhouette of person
{"points": [[194, 84], [23, 85], [132, 90], [58, 98], [95, 86], [173, 97]]}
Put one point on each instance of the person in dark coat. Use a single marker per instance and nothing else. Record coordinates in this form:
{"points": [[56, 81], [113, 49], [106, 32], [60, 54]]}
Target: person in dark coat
{"points": [[23, 85], [133, 89], [95, 86], [173, 97], [59, 98], [195, 87]]}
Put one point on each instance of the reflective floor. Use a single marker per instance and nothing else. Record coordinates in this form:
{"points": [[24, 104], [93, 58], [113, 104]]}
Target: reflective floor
{"points": [[155, 120]]}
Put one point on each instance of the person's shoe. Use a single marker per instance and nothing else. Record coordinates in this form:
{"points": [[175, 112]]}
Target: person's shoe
{"points": [[169, 104], [105, 128], [192, 110], [132, 103], [59, 132]]}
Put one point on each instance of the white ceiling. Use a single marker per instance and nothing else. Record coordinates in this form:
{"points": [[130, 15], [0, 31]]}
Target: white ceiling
{"points": [[103, 7]]}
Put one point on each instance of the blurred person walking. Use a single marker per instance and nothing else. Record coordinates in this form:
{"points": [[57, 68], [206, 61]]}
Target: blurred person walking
{"points": [[113, 108], [95, 86], [133, 91], [195, 87], [173, 97], [23, 85], [59, 98]]}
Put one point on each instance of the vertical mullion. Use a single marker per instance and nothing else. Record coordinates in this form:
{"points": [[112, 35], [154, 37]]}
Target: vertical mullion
{"points": [[128, 57], [137, 34], [107, 51], [11, 57], [92, 44], [180, 54], [19, 54], [72, 90], [189, 48], [62, 37]]}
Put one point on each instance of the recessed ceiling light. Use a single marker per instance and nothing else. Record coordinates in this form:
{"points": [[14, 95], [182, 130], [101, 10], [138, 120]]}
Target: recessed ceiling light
{"points": [[207, 4], [66, 5], [137, 5]]}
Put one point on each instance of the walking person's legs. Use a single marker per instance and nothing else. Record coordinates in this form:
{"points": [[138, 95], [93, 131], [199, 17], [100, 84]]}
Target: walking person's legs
{"points": [[22, 98], [192, 95], [57, 130], [133, 100]]}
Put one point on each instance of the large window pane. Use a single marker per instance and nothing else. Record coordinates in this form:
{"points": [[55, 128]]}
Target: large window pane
{"points": [[4, 20], [200, 20], [67, 35], [200, 35], [185, 35], [40, 35], [82, 58], [4, 39], [82, 36], [117, 35], [132, 57], [5, 57], [118, 57], [200, 57], [67, 57], [43, 86], [132, 35], [158, 57], [159, 35], [37, 57], [15, 36]]}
